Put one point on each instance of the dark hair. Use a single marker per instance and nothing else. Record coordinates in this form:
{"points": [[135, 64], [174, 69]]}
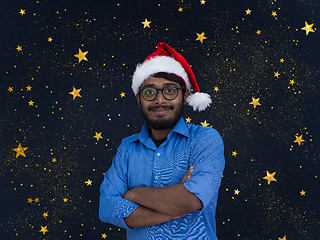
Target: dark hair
{"points": [[171, 77]]}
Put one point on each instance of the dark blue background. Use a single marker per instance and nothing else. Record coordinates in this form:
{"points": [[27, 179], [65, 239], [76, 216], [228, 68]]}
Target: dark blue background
{"points": [[233, 57]]}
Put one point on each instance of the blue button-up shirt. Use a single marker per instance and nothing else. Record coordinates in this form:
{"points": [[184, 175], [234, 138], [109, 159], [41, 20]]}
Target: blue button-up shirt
{"points": [[139, 163]]}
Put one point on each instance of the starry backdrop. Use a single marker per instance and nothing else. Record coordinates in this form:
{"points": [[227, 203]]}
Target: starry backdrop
{"points": [[66, 103]]}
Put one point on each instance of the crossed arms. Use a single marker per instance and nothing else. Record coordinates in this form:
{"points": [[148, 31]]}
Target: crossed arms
{"points": [[146, 206], [158, 205]]}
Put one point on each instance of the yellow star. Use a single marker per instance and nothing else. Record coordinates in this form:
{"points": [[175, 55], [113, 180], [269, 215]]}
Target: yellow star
{"points": [[22, 12], [44, 230], [81, 55], [98, 136], [284, 238], [103, 235], [281, 60], [203, 2], [54, 160], [308, 28], [10, 89], [88, 182], [19, 48], [234, 153], [36, 200], [28, 88], [122, 94], [276, 74], [270, 177], [274, 13], [65, 200], [255, 102], [146, 23], [205, 124], [248, 11], [258, 32], [20, 150], [75, 93], [216, 89], [299, 140], [201, 37], [45, 214], [50, 39], [236, 192], [31, 103], [29, 200], [180, 9], [303, 193], [292, 82], [188, 120]]}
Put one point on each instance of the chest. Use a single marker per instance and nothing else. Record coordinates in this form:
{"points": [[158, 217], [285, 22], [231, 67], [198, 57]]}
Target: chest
{"points": [[158, 167]]}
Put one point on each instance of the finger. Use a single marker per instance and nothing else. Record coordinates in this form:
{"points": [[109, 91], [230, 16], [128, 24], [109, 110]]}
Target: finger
{"points": [[189, 173]]}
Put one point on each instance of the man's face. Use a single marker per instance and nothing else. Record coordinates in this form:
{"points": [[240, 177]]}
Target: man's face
{"points": [[161, 113]]}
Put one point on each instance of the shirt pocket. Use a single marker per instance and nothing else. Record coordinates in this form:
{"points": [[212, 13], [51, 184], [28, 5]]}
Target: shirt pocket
{"points": [[140, 170]]}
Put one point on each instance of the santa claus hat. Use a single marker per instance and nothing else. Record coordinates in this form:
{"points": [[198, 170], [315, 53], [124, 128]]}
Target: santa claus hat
{"points": [[166, 59]]}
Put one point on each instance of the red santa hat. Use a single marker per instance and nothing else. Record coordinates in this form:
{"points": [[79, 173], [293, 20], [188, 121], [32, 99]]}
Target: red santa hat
{"points": [[166, 59]]}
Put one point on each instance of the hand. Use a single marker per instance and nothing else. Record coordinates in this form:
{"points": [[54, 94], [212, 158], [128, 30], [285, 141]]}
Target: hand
{"points": [[187, 175]]}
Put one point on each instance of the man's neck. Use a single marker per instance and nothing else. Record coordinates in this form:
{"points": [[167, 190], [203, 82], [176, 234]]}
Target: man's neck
{"points": [[159, 134]]}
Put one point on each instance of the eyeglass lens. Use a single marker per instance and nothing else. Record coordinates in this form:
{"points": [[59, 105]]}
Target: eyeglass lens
{"points": [[169, 93]]}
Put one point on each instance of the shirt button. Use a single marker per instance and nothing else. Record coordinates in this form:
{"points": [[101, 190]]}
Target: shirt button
{"points": [[156, 177], [158, 154]]}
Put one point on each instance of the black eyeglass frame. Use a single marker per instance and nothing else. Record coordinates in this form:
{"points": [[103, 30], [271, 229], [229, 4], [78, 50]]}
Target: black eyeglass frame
{"points": [[161, 89]]}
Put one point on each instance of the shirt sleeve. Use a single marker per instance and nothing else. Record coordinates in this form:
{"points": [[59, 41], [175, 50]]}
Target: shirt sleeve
{"points": [[112, 207], [208, 160]]}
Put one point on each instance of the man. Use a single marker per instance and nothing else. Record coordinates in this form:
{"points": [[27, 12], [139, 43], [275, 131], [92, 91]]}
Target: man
{"points": [[164, 181]]}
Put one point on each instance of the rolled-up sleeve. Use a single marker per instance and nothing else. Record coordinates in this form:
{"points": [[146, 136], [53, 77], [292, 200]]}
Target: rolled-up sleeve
{"points": [[112, 207], [208, 160]]}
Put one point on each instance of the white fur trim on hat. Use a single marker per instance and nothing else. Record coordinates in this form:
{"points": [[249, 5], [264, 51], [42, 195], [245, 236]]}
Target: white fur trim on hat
{"points": [[155, 65], [199, 101]]}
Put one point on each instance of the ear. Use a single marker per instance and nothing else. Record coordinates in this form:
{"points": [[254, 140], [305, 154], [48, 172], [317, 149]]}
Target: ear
{"points": [[186, 95], [138, 100]]}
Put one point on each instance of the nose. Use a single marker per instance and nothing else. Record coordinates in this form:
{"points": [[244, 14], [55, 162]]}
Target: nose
{"points": [[159, 98]]}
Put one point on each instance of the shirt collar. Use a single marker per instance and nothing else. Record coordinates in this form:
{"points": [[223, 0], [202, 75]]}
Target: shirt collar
{"points": [[180, 128]]}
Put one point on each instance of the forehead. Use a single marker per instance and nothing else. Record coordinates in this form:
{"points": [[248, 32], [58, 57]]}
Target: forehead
{"points": [[158, 82]]}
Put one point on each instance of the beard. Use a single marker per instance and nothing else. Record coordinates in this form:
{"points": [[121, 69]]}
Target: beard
{"points": [[163, 123]]}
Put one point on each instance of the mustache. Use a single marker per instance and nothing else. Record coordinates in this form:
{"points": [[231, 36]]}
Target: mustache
{"points": [[165, 107]]}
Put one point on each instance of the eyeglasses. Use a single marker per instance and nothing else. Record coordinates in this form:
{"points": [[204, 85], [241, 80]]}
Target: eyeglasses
{"points": [[168, 93]]}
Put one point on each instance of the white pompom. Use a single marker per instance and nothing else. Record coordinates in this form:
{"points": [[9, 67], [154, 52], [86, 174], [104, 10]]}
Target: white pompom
{"points": [[199, 101]]}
